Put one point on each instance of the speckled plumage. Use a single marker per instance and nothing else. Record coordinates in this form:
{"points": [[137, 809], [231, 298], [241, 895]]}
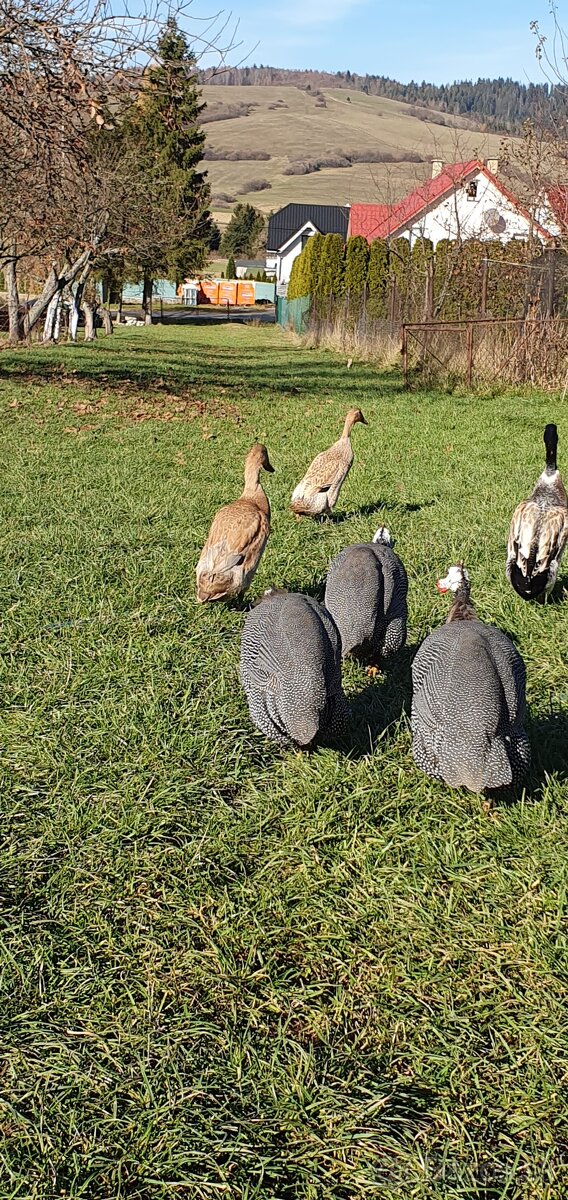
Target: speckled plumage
{"points": [[468, 705], [366, 594], [539, 530], [291, 669]]}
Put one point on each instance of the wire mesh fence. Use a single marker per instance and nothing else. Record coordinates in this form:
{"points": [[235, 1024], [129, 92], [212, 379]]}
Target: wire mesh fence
{"points": [[512, 351]]}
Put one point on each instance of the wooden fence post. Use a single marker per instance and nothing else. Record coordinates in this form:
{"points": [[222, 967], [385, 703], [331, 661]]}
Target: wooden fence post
{"points": [[405, 356]]}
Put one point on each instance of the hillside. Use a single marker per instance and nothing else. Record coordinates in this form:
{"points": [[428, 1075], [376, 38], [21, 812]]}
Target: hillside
{"points": [[498, 104], [293, 127]]}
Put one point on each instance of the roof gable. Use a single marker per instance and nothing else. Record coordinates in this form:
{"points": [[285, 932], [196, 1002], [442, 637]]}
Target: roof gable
{"points": [[388, 221], [557, 199], [326, 218]]}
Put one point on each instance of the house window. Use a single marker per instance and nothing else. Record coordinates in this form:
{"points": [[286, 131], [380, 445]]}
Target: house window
{"points": [[471, 190]]}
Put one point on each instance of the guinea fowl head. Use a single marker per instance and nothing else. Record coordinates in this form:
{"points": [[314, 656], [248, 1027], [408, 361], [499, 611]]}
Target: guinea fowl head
{"points": [[382, 536], [457, 581]]}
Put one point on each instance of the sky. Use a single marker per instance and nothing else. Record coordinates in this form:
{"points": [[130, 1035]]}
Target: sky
{"points": [[405, 39]]}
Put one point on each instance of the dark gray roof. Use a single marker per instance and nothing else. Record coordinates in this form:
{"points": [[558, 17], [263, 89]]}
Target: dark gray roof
{"points": [[327, 218]]}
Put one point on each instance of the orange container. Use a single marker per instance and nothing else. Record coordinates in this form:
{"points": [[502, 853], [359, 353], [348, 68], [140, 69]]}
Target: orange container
{"points": [[245, 291], [209, 289], [228, 291]]}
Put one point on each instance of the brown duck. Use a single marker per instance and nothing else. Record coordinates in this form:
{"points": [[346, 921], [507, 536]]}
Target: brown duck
{"points": [[317, 493], [237, 537]]}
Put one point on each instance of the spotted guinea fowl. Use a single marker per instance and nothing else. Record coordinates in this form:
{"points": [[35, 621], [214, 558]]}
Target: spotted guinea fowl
{"points": [[237, 537], [317, 493], [539, 530], [366, 593], [468, 702], [291, 669]]}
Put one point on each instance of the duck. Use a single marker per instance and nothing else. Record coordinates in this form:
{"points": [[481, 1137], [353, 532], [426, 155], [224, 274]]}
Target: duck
{"points": [[317, 493], [237, 538], [468, 699], [290, 669], [366, 594], [539, 530]]}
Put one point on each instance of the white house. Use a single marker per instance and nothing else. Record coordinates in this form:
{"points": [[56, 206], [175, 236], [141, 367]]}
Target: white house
{"points": [[289, 230], [461, 200]]}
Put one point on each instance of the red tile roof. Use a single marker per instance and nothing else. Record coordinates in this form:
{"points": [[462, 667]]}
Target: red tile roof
{"points": [[382, 221], [557, 198]]}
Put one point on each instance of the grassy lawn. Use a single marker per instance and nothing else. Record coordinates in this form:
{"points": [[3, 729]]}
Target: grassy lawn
{"points": [[229, 970]]}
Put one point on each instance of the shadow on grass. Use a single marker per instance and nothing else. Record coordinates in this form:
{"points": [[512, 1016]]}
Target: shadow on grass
{"points": [[368, 510], [380, 704], [549, 741], [111, 364]]}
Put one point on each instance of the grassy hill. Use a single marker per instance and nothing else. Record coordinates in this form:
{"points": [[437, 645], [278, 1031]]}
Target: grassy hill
{"points": [[291, 124]]}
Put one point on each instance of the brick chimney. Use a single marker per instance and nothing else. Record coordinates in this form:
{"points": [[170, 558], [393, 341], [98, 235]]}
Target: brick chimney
{"points": [[437, 167], [492, 165]]}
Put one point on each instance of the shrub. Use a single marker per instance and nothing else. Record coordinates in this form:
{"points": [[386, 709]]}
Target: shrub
{"points": [[356, 265], [332, 266], [378, 278], [399, 262], [231, 271], [255, 185], [213, 155]]}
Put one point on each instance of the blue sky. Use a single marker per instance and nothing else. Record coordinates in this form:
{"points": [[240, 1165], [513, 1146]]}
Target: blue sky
{"points": [[405, 39]]}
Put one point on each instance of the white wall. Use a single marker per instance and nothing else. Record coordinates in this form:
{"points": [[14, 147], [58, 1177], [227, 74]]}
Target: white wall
{"points": [[458, 215]]}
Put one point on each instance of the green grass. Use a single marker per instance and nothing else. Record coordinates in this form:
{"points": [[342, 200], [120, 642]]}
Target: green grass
{"points": [[297, 128], [229, 970]]}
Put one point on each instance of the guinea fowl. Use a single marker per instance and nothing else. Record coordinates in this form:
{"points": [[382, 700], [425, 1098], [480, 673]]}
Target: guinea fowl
{"points": [[237, 537], [468, 702], [539, 530], [291, 669], [317, 493], [366, 593]]}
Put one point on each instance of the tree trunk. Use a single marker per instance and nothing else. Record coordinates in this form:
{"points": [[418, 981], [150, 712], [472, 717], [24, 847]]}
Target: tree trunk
{"points": [[14, 323], [119, 309], [147, 299], [49, 325], [90, 325], [107, 321], [77, 300], [55, 283]]}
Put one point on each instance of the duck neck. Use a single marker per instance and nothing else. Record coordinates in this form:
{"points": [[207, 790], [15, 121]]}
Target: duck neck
{"points": [[253, 487], [349, 423], [462, 608], [252, 478], [551, 443]]}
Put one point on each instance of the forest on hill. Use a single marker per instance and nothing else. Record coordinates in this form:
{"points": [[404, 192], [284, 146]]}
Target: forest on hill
{"points": [[493, 104]]}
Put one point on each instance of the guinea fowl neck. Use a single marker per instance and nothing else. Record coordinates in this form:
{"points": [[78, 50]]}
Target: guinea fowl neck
{"points": [[462, 608]]}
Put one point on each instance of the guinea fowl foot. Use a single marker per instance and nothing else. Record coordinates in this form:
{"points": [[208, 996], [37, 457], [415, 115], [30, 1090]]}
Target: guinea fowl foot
{"points": [[372, 671]]}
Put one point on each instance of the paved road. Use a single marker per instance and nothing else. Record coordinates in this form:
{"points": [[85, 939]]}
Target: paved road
{"points": [[210, 316]]}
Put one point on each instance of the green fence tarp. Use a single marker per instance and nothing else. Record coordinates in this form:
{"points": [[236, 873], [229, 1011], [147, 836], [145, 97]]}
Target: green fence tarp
{"points": [[293, 314]]}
